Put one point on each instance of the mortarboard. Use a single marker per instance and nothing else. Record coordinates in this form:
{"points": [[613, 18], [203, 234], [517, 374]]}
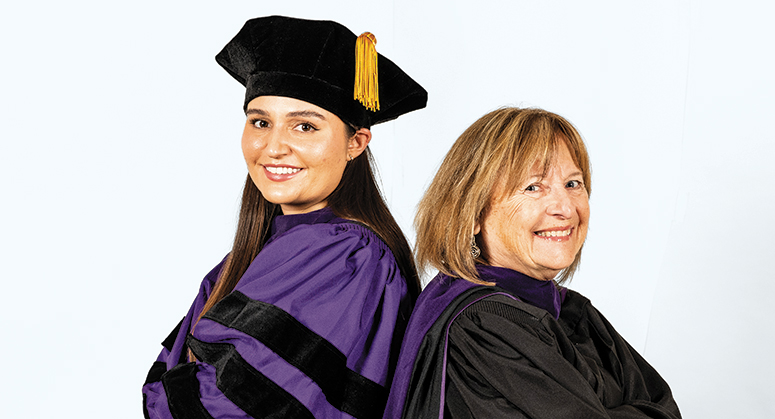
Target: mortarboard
{"points": [[315, 61]]}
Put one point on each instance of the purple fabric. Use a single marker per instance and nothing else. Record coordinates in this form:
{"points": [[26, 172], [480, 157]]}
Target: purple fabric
{"points": [[335, 277], [439, 293], [542, 294]]}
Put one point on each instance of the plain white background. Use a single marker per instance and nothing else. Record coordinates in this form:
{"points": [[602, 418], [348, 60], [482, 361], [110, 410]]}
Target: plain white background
{"points": [[120, 173]]}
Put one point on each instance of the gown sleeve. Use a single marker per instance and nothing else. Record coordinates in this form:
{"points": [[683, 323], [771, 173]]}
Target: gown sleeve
{"points": [[309, 331], [507, 359]]}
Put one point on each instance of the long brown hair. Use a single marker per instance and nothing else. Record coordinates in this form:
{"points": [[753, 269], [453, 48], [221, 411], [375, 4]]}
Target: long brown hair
{"points": [[496, 150], [357, 197]]}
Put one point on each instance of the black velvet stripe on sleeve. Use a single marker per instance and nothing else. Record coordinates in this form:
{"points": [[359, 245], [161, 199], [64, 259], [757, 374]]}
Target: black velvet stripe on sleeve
{"points": [[317, 358], [182, 388], [245, 386], [154, 374], [170, 340], [145, 407]]}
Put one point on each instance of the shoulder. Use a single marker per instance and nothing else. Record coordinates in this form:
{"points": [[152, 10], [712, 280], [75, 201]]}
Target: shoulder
{"points": [[582, 321], [338, 233], [313, 258], [476, 310], [502, 304], [342, 247], [499, 313]]}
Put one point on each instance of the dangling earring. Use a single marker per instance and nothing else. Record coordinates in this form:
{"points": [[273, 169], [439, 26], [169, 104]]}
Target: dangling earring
{"points": [[475, 252]]}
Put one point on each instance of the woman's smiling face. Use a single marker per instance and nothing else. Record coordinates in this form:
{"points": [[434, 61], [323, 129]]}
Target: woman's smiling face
{"points": [[540, 228], [296, 152]]}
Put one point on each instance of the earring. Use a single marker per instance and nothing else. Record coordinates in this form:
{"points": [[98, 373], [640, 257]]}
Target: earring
{"points": [[349, 157], [475, 252]]}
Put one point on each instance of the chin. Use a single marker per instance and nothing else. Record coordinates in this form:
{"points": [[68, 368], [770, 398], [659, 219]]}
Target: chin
{"points": [[558, 266]]}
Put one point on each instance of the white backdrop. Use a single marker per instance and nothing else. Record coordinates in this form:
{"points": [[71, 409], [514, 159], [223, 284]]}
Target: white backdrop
{"points": [[120, 173]]}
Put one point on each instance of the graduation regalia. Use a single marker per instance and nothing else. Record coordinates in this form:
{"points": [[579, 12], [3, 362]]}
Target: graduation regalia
{"points": [[308, 331], [313, 326], [521, 349]]}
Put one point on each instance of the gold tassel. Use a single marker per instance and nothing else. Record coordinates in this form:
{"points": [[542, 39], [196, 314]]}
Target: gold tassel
{"points": [[366, 87]]}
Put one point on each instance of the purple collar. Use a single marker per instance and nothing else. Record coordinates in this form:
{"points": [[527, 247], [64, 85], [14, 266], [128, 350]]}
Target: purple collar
{"points": [[541, 294], [283, 223]]}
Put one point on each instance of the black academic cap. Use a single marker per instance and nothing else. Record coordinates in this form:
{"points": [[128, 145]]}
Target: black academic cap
{"points": [[314, 61]]}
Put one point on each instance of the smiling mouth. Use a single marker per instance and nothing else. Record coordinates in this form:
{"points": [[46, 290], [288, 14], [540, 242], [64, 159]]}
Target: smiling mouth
{"points": [[282, 170], [554, 233]]}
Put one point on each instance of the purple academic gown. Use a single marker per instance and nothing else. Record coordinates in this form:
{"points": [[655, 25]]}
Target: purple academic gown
{"points": [[312, 329], [521, 349]]}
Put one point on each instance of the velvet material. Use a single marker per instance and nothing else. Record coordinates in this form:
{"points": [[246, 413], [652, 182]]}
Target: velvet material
{"points": [[542, 294], [337, 283], [238, 380], [345, 389], [314, 61], [169, 342], [182, 391]]}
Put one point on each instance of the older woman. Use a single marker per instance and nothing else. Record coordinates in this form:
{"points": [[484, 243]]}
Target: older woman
{"points": [[495, 334], [305, 315]]}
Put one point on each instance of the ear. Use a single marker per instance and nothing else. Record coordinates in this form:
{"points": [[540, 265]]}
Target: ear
{"points": [[358, 142], [477, 228]]}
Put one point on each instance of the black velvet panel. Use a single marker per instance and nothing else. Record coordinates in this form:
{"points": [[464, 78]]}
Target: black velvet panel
{"points": [[182, 388], [246, 387], [157, 370], [345, 389], [314, 61], [170, 340]]}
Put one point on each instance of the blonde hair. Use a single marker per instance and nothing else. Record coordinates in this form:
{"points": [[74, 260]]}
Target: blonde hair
{"points": [[492, 156]]}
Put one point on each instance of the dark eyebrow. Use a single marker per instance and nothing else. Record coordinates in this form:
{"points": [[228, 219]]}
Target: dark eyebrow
{"points": [[294, 114], [305, 114], [254, 111]]}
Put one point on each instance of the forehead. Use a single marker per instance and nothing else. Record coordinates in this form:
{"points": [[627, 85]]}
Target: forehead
{"points": [[282, 104], [555, 157], [559, 159]]}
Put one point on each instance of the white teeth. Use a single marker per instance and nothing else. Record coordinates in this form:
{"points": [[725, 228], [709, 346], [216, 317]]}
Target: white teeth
{"points": [[281, 170], [562, 233]]}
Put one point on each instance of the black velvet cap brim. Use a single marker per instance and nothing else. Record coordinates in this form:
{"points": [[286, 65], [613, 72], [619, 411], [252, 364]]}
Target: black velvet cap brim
{"points": [[314, 61]]}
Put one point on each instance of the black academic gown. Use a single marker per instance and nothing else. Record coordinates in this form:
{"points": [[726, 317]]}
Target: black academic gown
{"points": [[522, 349]]}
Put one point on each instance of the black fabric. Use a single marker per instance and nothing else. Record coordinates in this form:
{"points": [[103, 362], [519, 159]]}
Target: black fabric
{"points": [[507, 359], [145, 407], [170, 340], [425, 383], [321, 361], [314, 61], [245, 386], [157, 370], [182, 388]]}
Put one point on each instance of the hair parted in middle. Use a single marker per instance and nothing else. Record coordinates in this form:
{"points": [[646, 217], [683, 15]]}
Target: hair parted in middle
{"points": [[491, 158]]}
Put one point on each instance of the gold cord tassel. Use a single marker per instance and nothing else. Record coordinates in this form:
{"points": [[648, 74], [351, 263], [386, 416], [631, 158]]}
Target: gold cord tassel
{"points": [[366, 87]]}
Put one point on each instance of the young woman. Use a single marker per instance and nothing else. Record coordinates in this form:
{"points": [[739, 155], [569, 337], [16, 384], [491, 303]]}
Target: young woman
{"points": [[303, 318]]}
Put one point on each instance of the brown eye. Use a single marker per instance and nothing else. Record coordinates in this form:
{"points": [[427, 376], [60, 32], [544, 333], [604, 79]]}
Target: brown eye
{"points": [[259, 123], [573, 184], [306, 127]]}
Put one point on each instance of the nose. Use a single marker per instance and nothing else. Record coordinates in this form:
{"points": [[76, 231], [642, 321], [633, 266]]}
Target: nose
{"points": [[559, 203], [276, 144]]}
